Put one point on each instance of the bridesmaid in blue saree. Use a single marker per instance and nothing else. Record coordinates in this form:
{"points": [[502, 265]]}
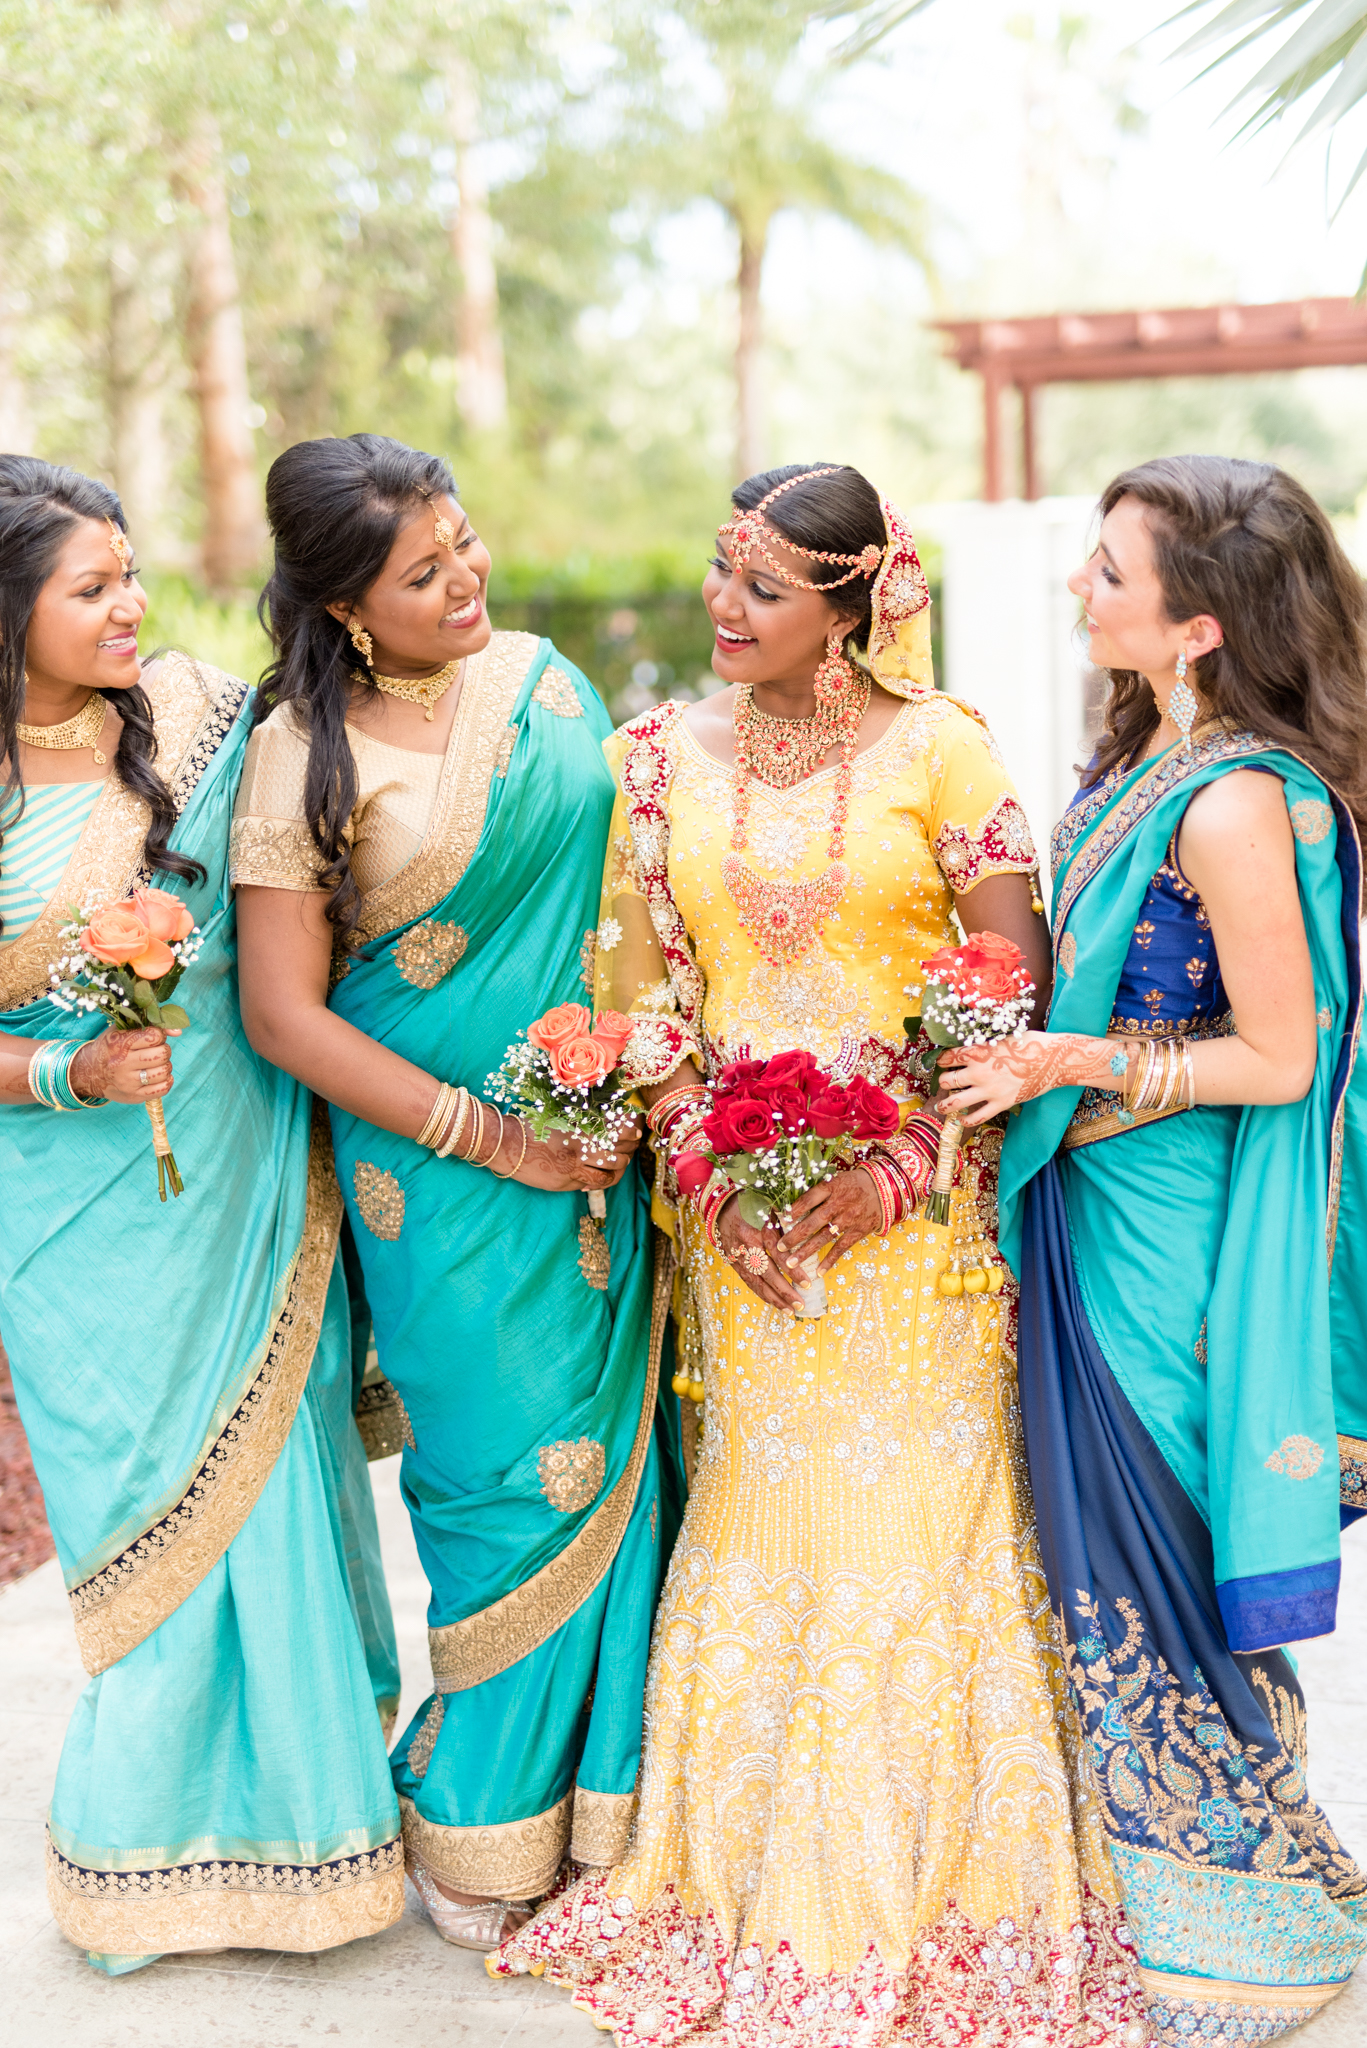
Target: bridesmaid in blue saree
{"points": [[183, 1372], [418, 852], [1183, 1194]]}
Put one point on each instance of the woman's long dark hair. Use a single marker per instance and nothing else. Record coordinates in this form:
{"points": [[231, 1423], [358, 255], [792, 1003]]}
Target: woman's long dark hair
{"points": [[834, 515], [1246, 543], [41, 504], [335, 508]]}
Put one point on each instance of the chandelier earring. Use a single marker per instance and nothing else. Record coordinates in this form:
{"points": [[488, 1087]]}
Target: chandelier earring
{"points": [[361, 641], [835, 677], [1182, 705]]}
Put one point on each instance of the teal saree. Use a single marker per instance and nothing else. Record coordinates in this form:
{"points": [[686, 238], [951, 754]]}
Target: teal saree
{"points": [[540, 1462], [1194, 1397], [184, 1377]]}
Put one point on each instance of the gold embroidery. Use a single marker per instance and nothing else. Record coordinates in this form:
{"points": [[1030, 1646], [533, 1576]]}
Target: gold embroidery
{"points": [[1299, 1457], [1353, 1471], [1311, 820], [602, 1827], [380, 1200], [588, 960], [1218, 1998], [428, 951], [595, 1260], [382, 1420], [465, 1653], [425, 1741], [193, 707], [571, 1474], [1323, 1019], [555, 692], [1067, 954], [273, 853], [493, 678], [514, 1859], [503, 758], [118, 1607], [196, 1906]]}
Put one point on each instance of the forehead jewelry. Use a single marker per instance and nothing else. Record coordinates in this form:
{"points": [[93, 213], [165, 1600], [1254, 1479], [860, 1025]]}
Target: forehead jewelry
{"points": [[445, 531], [749, 533], [118, 541]]}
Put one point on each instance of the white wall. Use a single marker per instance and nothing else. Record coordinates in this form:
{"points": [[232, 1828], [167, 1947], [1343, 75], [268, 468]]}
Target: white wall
{"points": [[1010, 636]]}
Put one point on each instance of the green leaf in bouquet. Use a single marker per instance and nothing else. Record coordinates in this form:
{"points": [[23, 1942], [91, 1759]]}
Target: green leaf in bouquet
{"points": [[741, 1167], [145, 998], [939, 1015], [174, 1018], [166, 986], [753, 1208]]}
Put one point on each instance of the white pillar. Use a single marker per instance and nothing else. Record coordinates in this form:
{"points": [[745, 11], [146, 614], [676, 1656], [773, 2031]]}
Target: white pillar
{"points": [[1011, 645]]}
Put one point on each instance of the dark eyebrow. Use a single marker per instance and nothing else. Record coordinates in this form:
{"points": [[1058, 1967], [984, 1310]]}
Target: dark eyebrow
{"points": [[1104, 550]]}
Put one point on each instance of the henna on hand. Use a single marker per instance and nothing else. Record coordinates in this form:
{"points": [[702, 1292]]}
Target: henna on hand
{"points": [[997, 1077]]}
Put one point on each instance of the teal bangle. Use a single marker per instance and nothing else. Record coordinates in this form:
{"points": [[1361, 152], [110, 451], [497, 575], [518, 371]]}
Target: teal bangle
{"points": [[49, 1073]]}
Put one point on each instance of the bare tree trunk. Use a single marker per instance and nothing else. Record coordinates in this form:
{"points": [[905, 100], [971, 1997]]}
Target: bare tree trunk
{"points": [[137, 380], [481, 381], [749, 343], [234, 532]]}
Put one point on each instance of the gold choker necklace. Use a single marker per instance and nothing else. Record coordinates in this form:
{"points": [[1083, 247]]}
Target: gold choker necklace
{"points": [[427, 692], [81, 731]]}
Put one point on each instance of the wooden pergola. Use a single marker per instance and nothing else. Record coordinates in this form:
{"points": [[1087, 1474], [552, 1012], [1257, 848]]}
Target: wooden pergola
{"points": [[1106, 348]]}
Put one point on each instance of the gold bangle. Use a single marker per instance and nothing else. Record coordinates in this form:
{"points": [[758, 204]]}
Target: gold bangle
{"points": [[512, 1169], [498, 1141], [448, 1138], [476, 1133], [436, 1116]]}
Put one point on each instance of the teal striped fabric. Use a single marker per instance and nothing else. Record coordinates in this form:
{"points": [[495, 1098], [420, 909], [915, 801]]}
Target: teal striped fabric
{"points": [[34, 855]]}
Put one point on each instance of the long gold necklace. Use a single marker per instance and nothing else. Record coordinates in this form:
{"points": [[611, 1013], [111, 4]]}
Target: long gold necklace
{"points": [[784, 751], [426, 692], [81, 731], [785, 918]]}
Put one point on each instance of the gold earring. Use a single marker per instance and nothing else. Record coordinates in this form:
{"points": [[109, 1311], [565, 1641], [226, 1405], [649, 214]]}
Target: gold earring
{"points": [[361, 641]]}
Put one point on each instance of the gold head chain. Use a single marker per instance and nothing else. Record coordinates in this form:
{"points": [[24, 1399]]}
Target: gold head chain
{"points": [[749, 533]]}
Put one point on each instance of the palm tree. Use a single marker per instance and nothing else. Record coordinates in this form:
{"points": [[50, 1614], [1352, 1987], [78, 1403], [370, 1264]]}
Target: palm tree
{"points": [[763, 155], [1327, 48]]}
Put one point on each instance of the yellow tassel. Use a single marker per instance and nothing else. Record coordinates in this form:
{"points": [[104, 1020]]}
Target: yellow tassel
{"points": [[681, 1384], [975, 1281], [996, 1279], [950, 1283]]}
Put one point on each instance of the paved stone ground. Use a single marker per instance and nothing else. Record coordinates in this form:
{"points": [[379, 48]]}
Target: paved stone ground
{"points": [[406, 1986]]}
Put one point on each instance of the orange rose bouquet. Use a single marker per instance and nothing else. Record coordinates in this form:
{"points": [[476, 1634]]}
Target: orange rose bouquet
{"points": [[124, 961], [564, 1077], [975, 994]]}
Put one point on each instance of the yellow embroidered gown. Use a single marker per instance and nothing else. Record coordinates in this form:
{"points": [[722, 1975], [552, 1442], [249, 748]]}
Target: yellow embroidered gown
{"points": [[862, 1817]]}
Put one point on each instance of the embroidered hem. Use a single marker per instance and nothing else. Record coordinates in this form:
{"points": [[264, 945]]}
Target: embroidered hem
{"points": [[663, 1975], [515, 1859], [195, 1906]]}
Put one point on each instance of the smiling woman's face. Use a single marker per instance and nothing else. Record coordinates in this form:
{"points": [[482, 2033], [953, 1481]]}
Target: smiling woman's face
{"points": [[83, 632], [426, 606], [764, 630]]}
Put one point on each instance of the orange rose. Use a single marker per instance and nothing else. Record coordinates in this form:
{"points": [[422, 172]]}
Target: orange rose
{"points": [[115, 934], [611, 1028], [165, 916], [582, 1063], [565, 1022], [158, 959]]}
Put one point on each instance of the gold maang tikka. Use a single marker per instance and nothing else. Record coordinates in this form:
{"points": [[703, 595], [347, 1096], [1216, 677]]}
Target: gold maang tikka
{"points": [[445, 532], [118, 541]]}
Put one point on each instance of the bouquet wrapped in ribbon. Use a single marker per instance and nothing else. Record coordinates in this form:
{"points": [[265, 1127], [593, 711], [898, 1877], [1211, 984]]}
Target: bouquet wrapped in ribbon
{"points": [[775, 1128], [124, 961], [564, 1076], [975, 994]]}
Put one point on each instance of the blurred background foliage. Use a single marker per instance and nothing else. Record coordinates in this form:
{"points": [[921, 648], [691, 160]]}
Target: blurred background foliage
{"points": [[228, 224]]}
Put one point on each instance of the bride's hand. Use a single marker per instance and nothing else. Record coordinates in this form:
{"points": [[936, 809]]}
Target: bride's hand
{"points": [[753, 1253], [978, 1082], [560, 1163], [830, 1219]]}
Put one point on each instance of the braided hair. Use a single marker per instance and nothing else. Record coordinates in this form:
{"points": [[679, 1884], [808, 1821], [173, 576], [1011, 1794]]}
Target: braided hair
{"points": [[41, 504]]}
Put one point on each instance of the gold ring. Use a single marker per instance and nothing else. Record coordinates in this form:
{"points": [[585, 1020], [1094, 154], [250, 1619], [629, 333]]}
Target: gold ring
{"points": [[142, 1076]]}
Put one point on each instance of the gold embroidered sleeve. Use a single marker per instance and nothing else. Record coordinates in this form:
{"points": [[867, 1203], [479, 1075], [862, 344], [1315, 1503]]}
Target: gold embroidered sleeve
{"points": [[976, 825], [271, 846], [629, 969]]}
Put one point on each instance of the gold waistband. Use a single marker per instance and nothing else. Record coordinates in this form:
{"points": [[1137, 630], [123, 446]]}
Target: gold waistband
{"points": [[1100, 1114]]}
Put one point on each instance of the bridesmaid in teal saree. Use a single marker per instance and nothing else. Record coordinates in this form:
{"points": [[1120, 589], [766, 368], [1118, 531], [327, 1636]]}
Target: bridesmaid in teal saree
{"points": [[418, 852], [183, 1372], [1184, 1196]]}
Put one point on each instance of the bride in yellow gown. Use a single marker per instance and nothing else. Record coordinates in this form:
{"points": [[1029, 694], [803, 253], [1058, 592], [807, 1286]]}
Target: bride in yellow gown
{"points": [[863, 1817]]}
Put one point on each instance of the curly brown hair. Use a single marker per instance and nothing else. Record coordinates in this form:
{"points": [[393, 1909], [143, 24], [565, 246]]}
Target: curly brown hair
{"points": [[1246, 543]]}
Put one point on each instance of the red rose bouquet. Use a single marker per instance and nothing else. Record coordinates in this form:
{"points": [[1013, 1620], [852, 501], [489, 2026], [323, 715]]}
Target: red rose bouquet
{"points": [[776, 1128], [975, 994], [564, 1077], [124, 961]]}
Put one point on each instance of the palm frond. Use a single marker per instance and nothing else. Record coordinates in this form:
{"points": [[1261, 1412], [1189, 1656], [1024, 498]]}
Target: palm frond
{"points": [[870, 23], [1331, 38]]}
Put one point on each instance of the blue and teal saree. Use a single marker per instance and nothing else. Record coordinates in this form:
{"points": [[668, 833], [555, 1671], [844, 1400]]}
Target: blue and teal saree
{"points": [[184, 1377], [540, 1462], [1194, 1394]]}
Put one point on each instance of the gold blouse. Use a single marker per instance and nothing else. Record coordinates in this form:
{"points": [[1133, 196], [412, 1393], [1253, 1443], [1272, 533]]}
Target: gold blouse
{"points": [[273, 847]]}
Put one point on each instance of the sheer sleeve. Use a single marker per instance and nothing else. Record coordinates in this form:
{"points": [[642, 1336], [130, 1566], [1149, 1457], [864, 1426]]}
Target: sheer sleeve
{"points": [[630, 971], [271, 846], [976, 825]]}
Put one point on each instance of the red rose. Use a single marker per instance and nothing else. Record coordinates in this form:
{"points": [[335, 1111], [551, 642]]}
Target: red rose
{"points": [[739, 1077], [692, 1171], [830, 1111], [873, 1114], [997, 981], [740, 1125], [789, 1107], [790, 1070]]}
